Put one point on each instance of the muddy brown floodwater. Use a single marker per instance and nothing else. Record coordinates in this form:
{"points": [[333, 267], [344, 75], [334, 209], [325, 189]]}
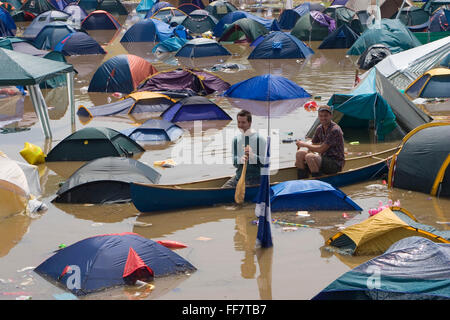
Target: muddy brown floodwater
{"points": [[220, 239]]}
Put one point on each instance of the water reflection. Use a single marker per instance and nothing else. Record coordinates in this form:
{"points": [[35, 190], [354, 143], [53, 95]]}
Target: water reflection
{"points": [[100, 213], [202, 62], [12, 230]]}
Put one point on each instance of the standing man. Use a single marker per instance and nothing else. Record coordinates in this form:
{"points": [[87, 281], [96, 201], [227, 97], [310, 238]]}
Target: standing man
{"points": [[326, 153], [247, 146]]}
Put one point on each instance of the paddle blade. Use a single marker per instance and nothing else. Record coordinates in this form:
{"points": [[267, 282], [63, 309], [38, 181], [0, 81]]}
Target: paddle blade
{"points": [[239, 194]]}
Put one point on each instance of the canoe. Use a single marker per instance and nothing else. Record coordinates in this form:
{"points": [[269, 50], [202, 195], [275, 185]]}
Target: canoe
{"points": [[153, 197]]}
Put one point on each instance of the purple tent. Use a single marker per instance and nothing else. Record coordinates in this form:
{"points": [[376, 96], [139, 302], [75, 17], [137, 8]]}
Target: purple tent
{"points": [[324, 20], [338, 3]]}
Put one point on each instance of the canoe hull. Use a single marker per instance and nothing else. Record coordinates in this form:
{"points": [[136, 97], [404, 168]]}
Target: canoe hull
{"points": [[153, 198]]}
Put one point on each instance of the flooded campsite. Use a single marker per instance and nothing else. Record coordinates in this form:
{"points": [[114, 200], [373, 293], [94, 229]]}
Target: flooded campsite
{"points": [[201, 244]]}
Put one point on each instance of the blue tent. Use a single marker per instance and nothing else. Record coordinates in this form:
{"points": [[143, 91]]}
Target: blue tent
{"points": [[309, 195], [257, 88], [289, 17], [280, 45], [7, 20], [5, 31], [202, 47], [155, 130], [42, 20], [100, 20], [79, 43], [414, 268], [156, 7], [110, 260], [194, 108], [170, 45], [148, 30], [270, 24], [51, 35], [342, 37], [145, 5]]}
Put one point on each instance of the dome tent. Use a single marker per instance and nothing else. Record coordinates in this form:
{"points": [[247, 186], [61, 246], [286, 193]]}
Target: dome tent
{"points": [[100, 20], [270, 24], [313, 26], [91, 143], [79, 43], [220, 8], [155, 131], [42, 20], [202, 47], [51, 35], [243, 30], [434, 83], [194, 108], [289, 17], [148, 30], [280, 45], [342, 37]]}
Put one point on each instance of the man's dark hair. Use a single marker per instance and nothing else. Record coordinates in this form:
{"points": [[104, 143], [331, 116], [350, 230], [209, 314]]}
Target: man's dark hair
{"points": [[245, 113]]}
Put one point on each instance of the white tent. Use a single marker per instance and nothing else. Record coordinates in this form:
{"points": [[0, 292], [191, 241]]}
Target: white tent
{"points": [[19, 183]]}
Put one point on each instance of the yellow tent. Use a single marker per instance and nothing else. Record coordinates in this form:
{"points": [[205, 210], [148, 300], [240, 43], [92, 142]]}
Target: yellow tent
{"points": [[376, 234]]}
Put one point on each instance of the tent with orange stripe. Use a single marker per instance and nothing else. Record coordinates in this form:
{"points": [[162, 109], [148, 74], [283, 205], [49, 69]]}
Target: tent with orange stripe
{"points": [[121, 73]]}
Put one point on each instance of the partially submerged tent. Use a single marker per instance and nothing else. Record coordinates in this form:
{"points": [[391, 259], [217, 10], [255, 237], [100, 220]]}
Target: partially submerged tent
{"points": [[121, 73], [148, 30], [313, 26], [412, 16], [111, 260], [309, 195], [243, 30], [199, 21], [156, 7], [280, 45], [413, 268], [172, 44], [100, 20], [341, 14], [342, 37], [391, 33], [105, 180], [289, 17], [423, 162], [378, 232], [202, 47], [391, 113], [166, 14], [372, 55], [184, 80], [194, 108], [19, 182], [114, 7], [132, 104], [36, 7], [79, 43], [434, 83], [91, 143], [155, 131], [270, 24], [42, 20], [220, 8], [77, 13], [51, 35]]}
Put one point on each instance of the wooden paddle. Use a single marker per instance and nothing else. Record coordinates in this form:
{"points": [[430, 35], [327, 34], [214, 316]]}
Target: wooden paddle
{"points": [[239, 194]]}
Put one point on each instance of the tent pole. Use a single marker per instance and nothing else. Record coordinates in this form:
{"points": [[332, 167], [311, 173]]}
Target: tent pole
{"points": [[37, 109], [44, 110], [70, 94], [400, 10]]}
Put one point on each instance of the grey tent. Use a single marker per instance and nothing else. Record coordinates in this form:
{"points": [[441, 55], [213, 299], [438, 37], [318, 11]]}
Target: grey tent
{"points": [[105, 180], [21, 69], [372, 55], [42, 20]]}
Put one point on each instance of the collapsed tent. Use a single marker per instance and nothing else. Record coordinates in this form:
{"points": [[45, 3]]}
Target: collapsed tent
{"points": [[378, 232], [172, 44], [58, 4], [110, 260], [148, 30], [105, 180], [309, 195], [270, 24], [91, 143], [391, 113], [202, 47], [391, 33], [121, 73], [341, 14], [413, 268], [372, 56], [422, 164], [36, 7], [100, 20], [289, 17], [342, 37], [434, 83], [220, 8], [79, 43], [51, 35], [77, 13], [42, 20], [155, 131], [19, 182], [243, 30], [194, 108], [313, 26], [280, 45], [133, 104], [404, 67], [184, 80]]}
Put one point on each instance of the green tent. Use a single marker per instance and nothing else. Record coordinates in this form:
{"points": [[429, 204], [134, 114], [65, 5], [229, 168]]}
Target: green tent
{"points": [[20, 69], [341, 14], [243, 30], [391, 33], [92, 143], [313, 26], [413, 16]]}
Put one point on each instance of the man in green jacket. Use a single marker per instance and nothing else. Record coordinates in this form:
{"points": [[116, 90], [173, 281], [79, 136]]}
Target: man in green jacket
{"points": [[247, 146]]}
